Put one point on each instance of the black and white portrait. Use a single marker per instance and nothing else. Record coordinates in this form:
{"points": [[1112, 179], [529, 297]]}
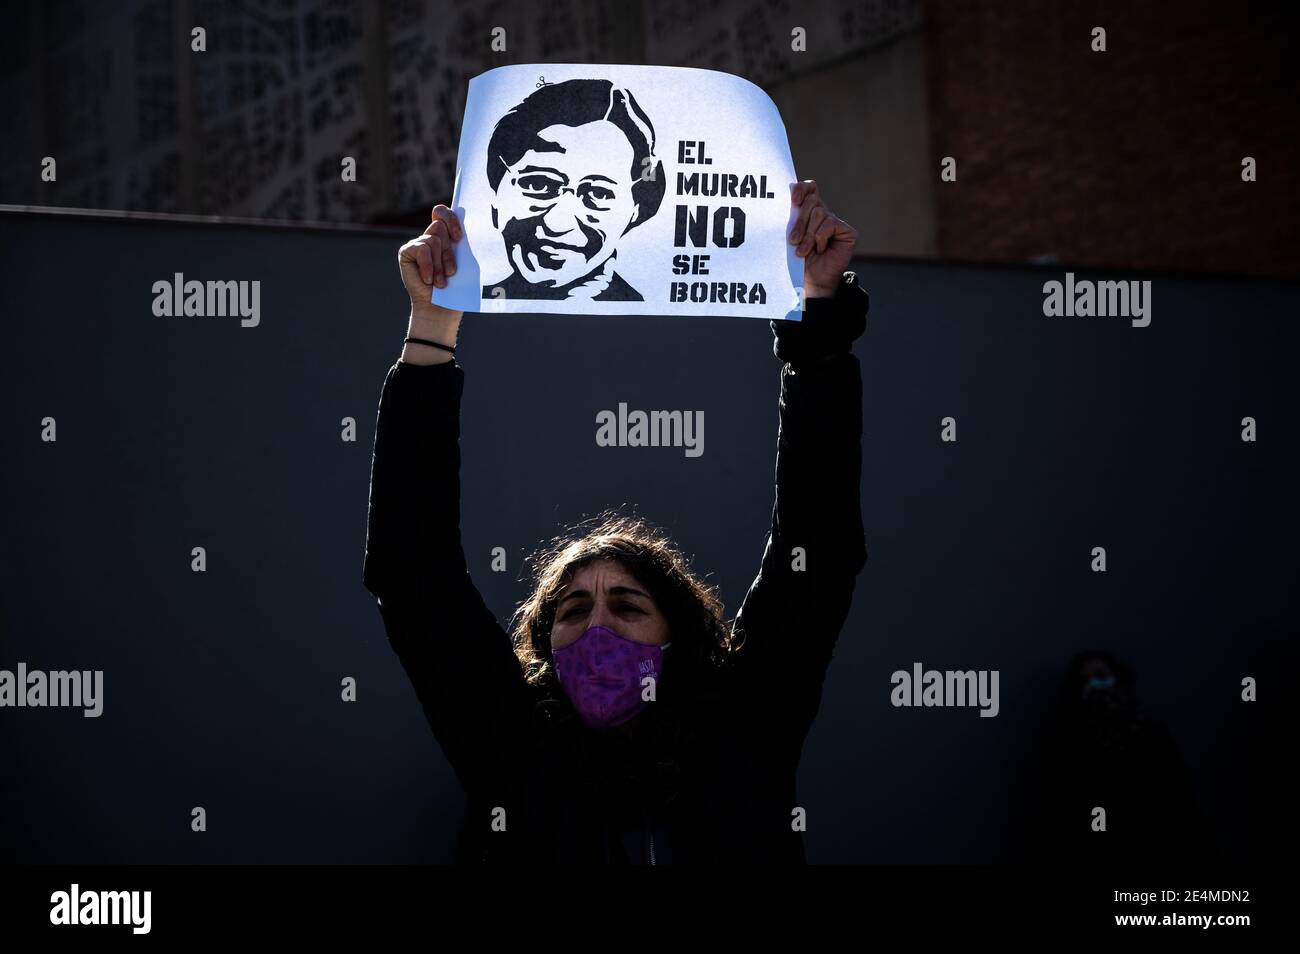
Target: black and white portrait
{"points": [[572, 169]]}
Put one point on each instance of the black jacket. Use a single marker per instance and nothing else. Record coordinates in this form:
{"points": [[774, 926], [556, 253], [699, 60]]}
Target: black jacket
{"points": [[707, 772]]}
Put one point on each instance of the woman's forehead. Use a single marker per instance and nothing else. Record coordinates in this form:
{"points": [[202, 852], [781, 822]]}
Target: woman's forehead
{"points": [[602, 572], [598, 148]]}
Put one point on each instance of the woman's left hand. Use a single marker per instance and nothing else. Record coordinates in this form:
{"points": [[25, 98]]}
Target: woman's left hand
{"points": [[824, 241]]}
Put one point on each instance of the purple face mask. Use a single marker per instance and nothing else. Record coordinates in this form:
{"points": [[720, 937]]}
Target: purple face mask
{"points": [[601, 672]]}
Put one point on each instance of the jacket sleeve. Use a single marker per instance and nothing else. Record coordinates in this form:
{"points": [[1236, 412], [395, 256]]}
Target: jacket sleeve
{"points": [[458, 658], [792, 615]]}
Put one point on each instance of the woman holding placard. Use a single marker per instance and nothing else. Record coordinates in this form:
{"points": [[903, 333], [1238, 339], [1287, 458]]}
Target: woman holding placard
{"points": [[623, 719]]}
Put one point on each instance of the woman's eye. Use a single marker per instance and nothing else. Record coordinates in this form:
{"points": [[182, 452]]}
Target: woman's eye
{"points": [[571, 613], [540, 185], [593, 195]]}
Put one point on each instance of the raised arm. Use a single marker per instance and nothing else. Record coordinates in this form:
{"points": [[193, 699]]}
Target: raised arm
{"points": [[457, 656], [794, 610]]}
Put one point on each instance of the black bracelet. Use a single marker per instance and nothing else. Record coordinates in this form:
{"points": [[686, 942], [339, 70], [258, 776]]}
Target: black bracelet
{"points": [[431, 344]]}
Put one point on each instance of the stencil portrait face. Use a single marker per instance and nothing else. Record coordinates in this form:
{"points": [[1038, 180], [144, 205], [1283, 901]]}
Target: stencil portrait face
{"points": [[563, 206]]}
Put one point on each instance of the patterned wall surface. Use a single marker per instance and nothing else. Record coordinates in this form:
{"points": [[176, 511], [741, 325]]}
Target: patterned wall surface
{"points": [[257, 124]]}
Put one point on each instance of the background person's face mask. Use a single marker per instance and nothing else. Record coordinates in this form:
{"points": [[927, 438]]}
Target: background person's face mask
{"points": [[1099, 684], [602, 673]]}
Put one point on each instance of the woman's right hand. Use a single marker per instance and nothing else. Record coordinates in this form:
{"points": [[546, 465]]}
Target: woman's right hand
{"points": [[426, 263]]}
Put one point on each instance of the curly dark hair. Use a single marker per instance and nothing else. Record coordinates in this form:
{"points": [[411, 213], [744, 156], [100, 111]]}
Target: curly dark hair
{"points": [[700, 634]]}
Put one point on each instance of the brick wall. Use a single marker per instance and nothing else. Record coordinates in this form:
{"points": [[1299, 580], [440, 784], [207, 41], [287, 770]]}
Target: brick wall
{"points": [[1130, 157]]}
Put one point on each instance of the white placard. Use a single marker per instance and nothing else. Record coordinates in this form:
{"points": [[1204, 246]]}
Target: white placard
{"points": [[623, 190]]}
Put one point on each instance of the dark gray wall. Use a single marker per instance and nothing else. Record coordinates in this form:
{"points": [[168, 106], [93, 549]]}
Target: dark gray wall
{"points": [[222, 689]]}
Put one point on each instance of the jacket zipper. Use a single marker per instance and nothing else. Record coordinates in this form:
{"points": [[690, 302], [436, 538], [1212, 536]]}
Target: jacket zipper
{"points": [[650, 841]]}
